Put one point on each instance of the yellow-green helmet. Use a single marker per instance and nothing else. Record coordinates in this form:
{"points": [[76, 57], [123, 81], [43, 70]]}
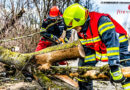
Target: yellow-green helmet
{"points": [[75, 15]]}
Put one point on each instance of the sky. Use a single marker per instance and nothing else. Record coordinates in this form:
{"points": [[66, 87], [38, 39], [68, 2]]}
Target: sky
{"points": [[119, 12]]}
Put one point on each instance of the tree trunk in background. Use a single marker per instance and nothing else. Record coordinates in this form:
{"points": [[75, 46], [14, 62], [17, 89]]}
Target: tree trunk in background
{"points": [[35, 2], [77, 1], [12, 21], [54, 2]]}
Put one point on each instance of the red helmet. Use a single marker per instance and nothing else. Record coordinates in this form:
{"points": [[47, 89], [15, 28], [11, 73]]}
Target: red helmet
{"points": [[54, 12]]}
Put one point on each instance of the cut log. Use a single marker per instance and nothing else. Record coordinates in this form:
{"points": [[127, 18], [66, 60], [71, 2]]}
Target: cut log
{"points": [[45, 60], [20, 60]]}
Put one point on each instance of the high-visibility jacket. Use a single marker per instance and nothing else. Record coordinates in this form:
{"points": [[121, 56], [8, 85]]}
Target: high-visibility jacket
{"points": [[92, 38]]}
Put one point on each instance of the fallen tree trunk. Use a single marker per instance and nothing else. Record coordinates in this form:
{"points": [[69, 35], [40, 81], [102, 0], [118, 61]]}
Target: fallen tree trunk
{"points": [[52, 54], [82, 73], [89, 72], [20, 60], [67, 51], [45, 60], [97, 74]]}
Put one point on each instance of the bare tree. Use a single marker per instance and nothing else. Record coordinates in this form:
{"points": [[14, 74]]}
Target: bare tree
{"points": [[29, 22]]}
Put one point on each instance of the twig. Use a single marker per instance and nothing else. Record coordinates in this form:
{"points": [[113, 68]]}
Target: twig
{"points": [[30, 35]]}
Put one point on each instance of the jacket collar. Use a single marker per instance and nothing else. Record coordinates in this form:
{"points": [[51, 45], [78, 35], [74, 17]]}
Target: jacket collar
{"points": [[85, 26]]}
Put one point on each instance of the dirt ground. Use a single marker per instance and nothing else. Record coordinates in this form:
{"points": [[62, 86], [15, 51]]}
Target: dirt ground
{"points": [[20, 85]]}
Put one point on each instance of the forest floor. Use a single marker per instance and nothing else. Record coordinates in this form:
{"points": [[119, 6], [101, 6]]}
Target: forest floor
{"points": [[21, 85]]}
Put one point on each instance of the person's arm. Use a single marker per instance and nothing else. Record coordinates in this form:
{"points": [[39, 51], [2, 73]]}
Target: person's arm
{"points": [[109, 37], [43, 31]]}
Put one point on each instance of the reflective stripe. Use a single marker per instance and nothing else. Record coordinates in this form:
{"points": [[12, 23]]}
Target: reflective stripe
{"points": [[42, 29], [92, 40], [126, 86], [51, 35], [93, 57], [83, 41], [106, 26], [90, 58], [66, 39], [113, 54], [112, 51], [101, 57], [123, 38]]}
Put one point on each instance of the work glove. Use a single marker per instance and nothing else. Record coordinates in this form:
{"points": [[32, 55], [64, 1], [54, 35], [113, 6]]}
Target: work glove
{"points": [[116, 74], [60, 40]]}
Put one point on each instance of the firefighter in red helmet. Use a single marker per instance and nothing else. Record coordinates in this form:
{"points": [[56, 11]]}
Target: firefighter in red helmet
{"points": [[54, 32], [55, 12]]}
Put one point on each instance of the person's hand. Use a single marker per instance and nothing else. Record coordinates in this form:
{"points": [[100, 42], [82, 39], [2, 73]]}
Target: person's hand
{"points": [[116, 74], [61, 40]]}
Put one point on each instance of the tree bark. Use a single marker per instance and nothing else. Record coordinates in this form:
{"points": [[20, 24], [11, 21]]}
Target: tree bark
{"points": [[45, 60], [97, 74], [20, 60], [89, 72], [35, 2], [83, 73]]}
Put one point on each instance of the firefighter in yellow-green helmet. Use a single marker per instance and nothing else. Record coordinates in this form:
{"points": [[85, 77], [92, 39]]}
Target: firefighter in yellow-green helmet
{"points": [[98, 35], [73, 18]]}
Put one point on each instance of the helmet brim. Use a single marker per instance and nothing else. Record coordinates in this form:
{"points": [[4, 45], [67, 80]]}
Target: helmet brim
{"points": [[69, 28], [50, 17]]}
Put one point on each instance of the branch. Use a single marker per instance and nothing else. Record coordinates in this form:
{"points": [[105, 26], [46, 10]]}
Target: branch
{"points": [[30, 35], [12, 21], [89, 72], [35, 2]]}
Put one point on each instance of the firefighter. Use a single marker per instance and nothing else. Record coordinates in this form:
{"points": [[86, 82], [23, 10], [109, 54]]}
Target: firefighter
{"points": [[103, 40], [53, 33]]}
